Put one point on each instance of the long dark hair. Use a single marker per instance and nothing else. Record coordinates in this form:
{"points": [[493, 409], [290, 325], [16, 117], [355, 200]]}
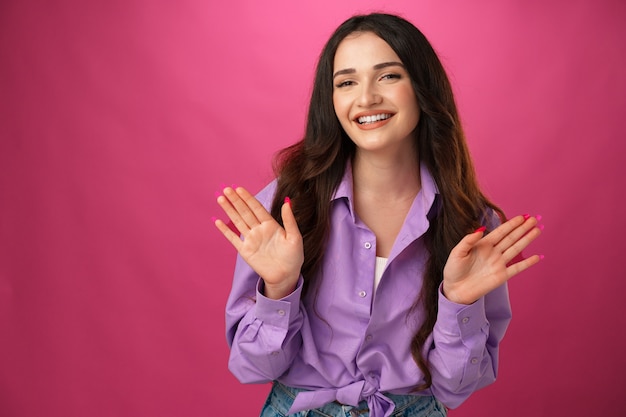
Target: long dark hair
{"points": [[310, 170]]}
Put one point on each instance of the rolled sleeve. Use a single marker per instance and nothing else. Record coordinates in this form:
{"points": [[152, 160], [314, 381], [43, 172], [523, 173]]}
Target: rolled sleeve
{"points": [[462, 320], [278, 313], [465, 345]]}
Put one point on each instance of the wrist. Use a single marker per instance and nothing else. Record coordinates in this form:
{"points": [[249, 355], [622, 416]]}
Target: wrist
{"points": [[450, 293], [278, 291]]}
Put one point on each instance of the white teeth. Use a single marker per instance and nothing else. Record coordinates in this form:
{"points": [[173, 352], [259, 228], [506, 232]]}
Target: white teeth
{"points": [[373, 118]]}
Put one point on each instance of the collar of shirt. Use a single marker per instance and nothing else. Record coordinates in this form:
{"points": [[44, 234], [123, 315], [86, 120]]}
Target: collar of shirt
{"points": [[423, 209]]}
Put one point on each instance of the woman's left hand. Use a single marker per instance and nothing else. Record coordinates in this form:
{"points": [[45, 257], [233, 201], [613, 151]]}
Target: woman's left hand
{"points": [[479, 264]]}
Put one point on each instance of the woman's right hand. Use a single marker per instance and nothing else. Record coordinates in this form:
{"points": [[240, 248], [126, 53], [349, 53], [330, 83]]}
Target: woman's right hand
{"points": [[274, 252]]}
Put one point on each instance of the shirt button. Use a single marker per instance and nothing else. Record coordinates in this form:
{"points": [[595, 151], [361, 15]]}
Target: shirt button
{"points": [[362, 294], [474, 361], [465, 320], [275, 353], [368, 338], [281, 312], [367, 245]]}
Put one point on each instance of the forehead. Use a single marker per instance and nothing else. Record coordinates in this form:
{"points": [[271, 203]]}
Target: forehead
{"points": [[363, 50]]}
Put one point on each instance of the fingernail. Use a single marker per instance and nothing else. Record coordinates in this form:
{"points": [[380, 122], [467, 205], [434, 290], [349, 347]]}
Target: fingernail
{"points": [[217, 194], [480, 229], [287, 200], [538, 217], [526, 216], [222, 186], [541, 257], [540, 227], [213, 219]]}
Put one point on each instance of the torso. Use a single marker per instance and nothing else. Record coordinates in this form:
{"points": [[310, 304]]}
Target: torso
{"points": [[384, 218]]}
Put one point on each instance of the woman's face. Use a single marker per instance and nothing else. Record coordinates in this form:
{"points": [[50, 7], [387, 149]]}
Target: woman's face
{"points": [[373, 96]]}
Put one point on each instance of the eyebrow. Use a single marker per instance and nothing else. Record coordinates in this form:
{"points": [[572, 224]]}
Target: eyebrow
{"points": [[375, 67]]}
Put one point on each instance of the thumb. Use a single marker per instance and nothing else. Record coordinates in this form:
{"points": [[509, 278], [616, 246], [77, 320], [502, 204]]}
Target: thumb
{"points": [[289, 220], [466, 244]]}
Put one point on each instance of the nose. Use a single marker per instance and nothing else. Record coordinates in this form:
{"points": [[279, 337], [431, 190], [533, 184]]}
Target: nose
{"points": [[369, 95]]}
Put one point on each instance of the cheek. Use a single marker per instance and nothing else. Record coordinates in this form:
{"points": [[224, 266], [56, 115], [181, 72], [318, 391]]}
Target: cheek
{"points": [[407, 98], [409, 102], [341, 110], [336, 103]]}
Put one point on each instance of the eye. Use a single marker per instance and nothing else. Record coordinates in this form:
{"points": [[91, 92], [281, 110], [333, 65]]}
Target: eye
{"points": [[345, 83], [391, 76]]}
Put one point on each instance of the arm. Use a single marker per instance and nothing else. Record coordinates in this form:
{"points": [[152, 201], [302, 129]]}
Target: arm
{"points": [[275, 253], [465, 345], [474, 309], [263, 314], [263, 334]]}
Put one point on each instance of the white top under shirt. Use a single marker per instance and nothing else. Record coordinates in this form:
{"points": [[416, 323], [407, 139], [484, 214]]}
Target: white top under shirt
{"points": [[381, 263]]}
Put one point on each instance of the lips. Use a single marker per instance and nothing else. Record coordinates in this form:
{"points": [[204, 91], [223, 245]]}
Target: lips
{"points": [[372, 120]]}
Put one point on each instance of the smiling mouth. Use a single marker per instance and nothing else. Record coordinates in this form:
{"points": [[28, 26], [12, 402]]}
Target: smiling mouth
{"points": [[365, 120]]}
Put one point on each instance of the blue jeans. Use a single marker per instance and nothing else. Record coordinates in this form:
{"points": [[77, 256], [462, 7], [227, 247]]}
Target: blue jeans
{"points": [[281, 397]]}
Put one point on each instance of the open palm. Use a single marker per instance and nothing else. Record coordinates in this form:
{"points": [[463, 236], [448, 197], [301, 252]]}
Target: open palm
{"points": [[273, 252], [480, 264]]}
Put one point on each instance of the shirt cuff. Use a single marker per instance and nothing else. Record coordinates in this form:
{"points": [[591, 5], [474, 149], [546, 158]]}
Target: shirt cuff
{"points": [[281, 312], [460, 319]]}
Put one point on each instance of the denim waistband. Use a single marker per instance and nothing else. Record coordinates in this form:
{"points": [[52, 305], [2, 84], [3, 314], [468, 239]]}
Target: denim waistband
{"points": [[282, 397]]}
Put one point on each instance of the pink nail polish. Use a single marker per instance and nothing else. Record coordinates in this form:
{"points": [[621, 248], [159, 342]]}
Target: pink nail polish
{"points": [[217, 194], [480, 229], [540, 227], [213, 219], [287, 200], [538, 217], [526, 216], [541, 257]]}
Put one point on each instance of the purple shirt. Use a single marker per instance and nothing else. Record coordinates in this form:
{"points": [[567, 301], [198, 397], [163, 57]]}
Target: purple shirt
{"points": [[354, 345]]}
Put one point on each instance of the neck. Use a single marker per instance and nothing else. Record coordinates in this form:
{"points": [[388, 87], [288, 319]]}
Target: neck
{"points": [[386, 179]]}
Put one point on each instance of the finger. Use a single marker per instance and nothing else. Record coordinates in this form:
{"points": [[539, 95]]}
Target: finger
{"points": [[527, 224], [231, 236], [504, 229], [259, 211], [289, 220], [510, 253], [465, 246], [233, 214], [518, 267], [241, 206]]}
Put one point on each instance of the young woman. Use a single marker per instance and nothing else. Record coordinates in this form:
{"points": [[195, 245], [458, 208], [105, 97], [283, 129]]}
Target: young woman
{"points": [[371, 276]]}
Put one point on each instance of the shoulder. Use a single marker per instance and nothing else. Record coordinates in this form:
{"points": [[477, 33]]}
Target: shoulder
{"points": [[266, 195], [491, 219]]}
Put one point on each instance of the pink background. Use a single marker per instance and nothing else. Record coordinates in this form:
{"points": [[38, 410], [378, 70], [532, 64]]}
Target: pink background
{"points": [[120, 119]]}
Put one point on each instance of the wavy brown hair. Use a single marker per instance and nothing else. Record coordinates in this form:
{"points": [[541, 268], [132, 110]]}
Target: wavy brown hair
{"points": [[310, 170]]}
